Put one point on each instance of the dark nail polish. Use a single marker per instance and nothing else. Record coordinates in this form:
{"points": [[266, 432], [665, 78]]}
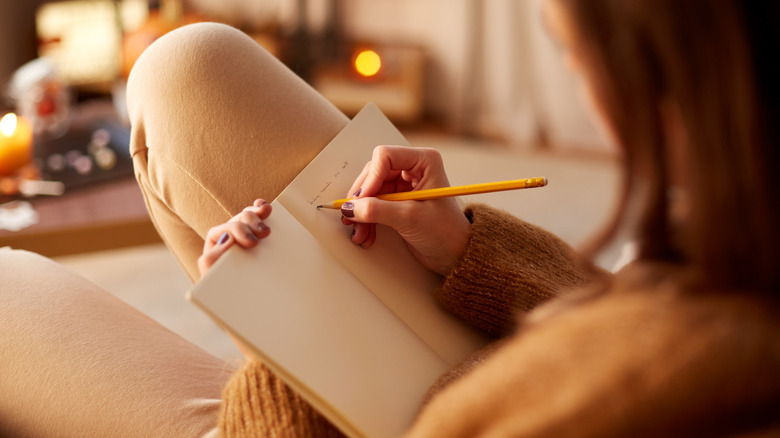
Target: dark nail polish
{"points": [[262, 226], [348, 209], [223, 238], [252, 236], [357, 193]]}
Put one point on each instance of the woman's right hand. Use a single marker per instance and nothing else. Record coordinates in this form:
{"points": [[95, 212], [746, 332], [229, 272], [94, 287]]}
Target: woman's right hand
{"points": [[436, 231]]}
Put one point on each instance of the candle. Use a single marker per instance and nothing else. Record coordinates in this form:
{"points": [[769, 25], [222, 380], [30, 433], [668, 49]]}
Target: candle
{"points": [[367, 63], [16, 141]]}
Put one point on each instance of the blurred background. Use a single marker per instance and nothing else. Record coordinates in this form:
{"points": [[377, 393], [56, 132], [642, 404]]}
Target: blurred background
{"points": [[474, 67], [480, 80]]}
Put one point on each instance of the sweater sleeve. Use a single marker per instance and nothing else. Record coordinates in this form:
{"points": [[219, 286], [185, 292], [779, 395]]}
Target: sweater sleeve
{"points": [[641, 363], [509, 266]]}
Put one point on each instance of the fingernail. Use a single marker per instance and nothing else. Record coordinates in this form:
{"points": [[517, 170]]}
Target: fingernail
{"points": [[262, 226], [223, 238], [252, 236], [356, 194], [264, 203], [348, 209], [354, 230]]}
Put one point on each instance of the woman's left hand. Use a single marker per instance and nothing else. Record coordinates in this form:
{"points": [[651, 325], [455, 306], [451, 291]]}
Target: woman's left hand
{"points": [[246, 229]]}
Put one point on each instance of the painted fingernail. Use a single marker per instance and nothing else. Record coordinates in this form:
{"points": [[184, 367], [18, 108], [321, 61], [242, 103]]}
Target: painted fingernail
{"points": [[252, 236], [356, 194], [264, 203], [354, 230], [223, 238], [348, 209], [262, 226]]}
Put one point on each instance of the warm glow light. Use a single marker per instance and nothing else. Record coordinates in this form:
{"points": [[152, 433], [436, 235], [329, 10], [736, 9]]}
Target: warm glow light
{"points": [[16, 143], [368, 63], [8, 124]]}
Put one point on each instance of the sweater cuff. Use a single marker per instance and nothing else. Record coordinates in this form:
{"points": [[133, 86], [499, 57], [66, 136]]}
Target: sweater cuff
{"points": [[257, 403], [509, 266]]}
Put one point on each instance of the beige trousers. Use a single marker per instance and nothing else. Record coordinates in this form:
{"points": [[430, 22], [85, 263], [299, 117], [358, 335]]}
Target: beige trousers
{"points": [[217, 122]]}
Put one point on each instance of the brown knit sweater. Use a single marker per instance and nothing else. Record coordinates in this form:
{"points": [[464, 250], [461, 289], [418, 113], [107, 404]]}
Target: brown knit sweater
{"points": [[634, 355]]}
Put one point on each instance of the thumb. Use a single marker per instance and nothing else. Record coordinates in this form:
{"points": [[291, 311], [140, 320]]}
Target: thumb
{"points": [[210, 256]]}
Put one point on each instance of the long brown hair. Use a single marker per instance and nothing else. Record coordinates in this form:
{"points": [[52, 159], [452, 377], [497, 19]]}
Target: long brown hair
{"points": [[714, 61]]}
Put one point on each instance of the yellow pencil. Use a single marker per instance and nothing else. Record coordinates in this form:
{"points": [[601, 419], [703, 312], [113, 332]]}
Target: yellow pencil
{"points": [[445, 192]]}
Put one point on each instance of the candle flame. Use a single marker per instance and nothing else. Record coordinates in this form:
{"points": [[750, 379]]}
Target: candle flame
{"points": [[8, 124], [368, 63]]}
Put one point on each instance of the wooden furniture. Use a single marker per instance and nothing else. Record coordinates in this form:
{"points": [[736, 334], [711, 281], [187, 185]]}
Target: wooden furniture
{"points": [[107, 216]]}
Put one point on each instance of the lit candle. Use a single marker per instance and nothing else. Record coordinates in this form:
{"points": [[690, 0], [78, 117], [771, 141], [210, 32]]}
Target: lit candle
{"points": [[367, 63], [16, 140]]}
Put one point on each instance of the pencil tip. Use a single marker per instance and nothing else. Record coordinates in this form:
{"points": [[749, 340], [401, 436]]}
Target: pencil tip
{"points": [[319, 207]]}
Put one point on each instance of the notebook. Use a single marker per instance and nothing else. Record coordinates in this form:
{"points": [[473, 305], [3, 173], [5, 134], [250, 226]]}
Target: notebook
{"points": [[355, 331]]}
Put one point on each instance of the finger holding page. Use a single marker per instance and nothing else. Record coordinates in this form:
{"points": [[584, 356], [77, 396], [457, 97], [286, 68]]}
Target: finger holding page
{"points": [[261, 209], [245, 228]]}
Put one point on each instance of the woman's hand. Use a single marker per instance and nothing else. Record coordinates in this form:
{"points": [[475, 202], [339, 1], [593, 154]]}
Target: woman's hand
{"points": [[435, 230], [245, 228]]}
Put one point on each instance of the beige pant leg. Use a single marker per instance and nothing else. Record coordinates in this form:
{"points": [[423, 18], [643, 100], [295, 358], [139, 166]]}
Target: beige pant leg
{"points": [[77, 362], [218, 122]]}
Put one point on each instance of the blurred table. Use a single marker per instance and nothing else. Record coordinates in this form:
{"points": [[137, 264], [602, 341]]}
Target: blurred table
{"points": [[102, 208], [109, 215]]}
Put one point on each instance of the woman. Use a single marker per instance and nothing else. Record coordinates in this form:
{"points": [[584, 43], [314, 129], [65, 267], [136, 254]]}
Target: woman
{"points": [[682, 342]]}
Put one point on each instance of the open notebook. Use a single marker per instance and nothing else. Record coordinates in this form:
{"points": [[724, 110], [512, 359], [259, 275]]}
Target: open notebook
{"points": [[356, 332]]}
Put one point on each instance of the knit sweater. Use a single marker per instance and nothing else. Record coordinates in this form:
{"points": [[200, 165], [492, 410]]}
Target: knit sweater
{"points": [[578, 352]]}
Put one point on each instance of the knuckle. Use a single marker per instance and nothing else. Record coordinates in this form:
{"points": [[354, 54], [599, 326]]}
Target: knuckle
{"points": [[382, 156], [381, 150], [433, 155], [213, 231], [248, 215]]}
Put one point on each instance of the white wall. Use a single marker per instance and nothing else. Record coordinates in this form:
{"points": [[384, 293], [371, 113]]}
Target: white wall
{"points": [[506, 81], [561, 104], [522, 85], [436, 25]]}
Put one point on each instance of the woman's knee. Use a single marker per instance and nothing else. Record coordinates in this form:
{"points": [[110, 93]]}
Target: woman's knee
{"points": [[217, 122], [31, 284], [179, 70], [77, 361], [33, 291], [188, 56], [21, 272], [209, 89]]}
